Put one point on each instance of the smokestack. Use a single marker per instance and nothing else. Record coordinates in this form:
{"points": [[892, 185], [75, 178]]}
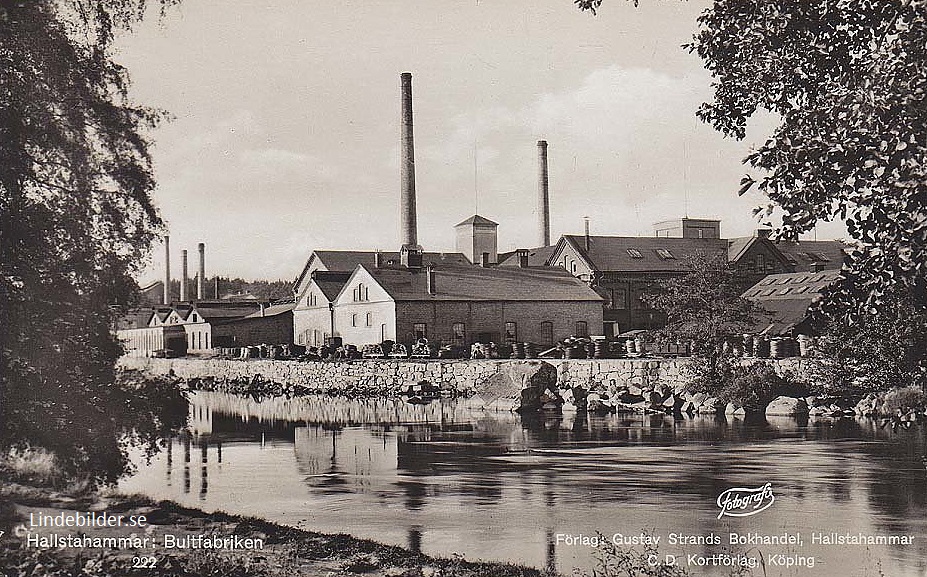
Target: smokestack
{"points": [[543, 196], [407, 167], [586, 222], [201, 276], [184, 283], [167, 270]]}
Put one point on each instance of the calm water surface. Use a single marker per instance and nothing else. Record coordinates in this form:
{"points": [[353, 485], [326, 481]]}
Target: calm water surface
{"points": [[453, 477]]}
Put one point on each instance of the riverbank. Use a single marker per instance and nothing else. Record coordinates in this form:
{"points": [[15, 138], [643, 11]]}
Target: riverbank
{"points": [[452, 377], [284, 551]]}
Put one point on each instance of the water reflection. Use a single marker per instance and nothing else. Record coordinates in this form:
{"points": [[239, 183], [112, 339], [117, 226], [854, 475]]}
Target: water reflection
{"points": [[450, 477]]}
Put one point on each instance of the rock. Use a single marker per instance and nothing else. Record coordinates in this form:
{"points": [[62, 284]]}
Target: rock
{"points": [[526, 385], [787, 407], [698, 399], [734, 410], [635, 391], [710, 406]]}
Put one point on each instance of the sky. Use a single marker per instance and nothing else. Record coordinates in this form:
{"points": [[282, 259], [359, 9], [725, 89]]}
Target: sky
{"points": [[284, 135]]}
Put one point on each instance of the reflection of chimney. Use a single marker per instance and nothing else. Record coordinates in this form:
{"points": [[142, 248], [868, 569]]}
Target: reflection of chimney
{"points": [[201, 277], [167, 270], [586, 222], [184, 286], [407, 217], [543, 196], [430, 280]]}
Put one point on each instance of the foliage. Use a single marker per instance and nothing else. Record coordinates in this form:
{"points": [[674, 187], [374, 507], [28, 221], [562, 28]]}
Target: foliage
{"points": [[903, 399], [847, 80], [704, 306], [76, 220], [877, 352]]}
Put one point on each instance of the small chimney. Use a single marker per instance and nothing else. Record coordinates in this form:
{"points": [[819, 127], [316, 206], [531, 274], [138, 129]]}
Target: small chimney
{"points": [[262, 309], [522, 257], [184, 280], [201, 277], [410, 256], [485, 261], [378, 259], [586, 222], [217, 287], [543, 196], [763, 232], [430, 285], [167, 270]]}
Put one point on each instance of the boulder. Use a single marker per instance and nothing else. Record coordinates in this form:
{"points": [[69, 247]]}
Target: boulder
{"points": [[787, 407], [525, 386], [710, 406], [733, 410]]}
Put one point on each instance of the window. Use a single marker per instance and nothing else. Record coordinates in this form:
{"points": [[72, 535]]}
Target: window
{"points": [[459, 333], [619, 299], [573, 266], [665, 254], [581, 329], [419, 331], [313, 300], [354, 320], [361, 292], [634, 253], [369, 319], [547, 333], [511, 332], [196, 319]]}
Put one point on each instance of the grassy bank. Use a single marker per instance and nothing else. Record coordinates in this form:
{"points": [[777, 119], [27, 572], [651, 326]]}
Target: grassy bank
{"points": [[286, 552]]}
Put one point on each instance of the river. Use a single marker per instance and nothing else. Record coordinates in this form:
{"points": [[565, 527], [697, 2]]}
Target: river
{"points": [[453, 478]]}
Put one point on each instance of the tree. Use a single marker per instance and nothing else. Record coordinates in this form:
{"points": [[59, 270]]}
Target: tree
{"points": [[76, 221], [704, 307], [848, 81]]}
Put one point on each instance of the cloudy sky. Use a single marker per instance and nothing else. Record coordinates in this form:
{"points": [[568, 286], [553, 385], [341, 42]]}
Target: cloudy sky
{"points": [[286, 123]]}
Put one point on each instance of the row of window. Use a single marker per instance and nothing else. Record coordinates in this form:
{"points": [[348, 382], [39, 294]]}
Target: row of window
{"points": [[510, 334]]}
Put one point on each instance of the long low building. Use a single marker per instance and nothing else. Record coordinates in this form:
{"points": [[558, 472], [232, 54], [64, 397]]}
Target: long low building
{"points": [[445, 302]]}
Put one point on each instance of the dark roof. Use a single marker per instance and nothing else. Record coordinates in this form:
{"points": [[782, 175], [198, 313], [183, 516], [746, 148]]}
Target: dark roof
{"points": [[790, 285], [135, 319], [347, 260], [736, 247], [477, 219], [273, 310], [536, 256], [475, 283], [330, 283], [620, 253], [787, 297], [223, 310], [802, 254]]}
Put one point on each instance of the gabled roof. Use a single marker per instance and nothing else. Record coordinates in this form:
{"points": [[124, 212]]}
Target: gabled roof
{"points": [[347, 260], [738, 247], [536, 256], [218, 311], [273, 310], [475, 283], [787, 297], [826, 254], [330, 283], [478, 220], [641, 253]]}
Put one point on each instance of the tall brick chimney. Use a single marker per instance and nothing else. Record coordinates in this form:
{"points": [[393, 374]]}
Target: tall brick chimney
{"points": [[408, 224], [184, 280], [543, 196], [201, 276], [167, 270]]}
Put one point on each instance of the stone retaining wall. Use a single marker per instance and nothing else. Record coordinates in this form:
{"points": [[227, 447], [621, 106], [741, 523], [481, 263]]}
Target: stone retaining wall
{"points": [[456, 375]]}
